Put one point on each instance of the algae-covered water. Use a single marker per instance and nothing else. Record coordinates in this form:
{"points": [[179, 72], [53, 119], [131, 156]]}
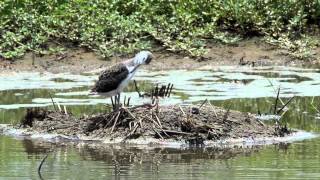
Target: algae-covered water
{"points": [[240, 88]]}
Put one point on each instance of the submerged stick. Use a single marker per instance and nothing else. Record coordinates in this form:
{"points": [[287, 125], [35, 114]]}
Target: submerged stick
{"points": [[40, 165]]}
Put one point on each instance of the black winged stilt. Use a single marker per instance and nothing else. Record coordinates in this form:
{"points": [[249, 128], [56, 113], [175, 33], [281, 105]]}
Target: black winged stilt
{"points": [[114, 79]]}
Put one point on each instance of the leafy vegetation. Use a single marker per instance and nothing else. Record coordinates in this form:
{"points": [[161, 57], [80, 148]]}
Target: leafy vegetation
{"points": [[111, 27]]}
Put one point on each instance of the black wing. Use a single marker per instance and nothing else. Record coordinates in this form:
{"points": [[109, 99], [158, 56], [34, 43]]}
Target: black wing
{"points": [[111, 78]]}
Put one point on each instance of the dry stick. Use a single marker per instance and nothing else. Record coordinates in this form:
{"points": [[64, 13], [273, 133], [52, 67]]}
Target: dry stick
{"points": [[140, 121], [59, 107], [203, 103], [182, 110], [134, 129], [285, 105], [260, 122], [115, 121], [65, 110], [130, 126], [157, 132], [212, 109], [154, 122], [124, 100], [175, 132], [126, 109], [54, 106], [276, 103], [40, 165], [137, 89], [157, 118]]}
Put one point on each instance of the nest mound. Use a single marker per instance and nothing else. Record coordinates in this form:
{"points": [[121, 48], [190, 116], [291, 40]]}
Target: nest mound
{"points": [[194, 124]]}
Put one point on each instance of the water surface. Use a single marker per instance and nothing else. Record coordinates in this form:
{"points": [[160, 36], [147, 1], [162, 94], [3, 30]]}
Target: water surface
{"points": [[240, 88]]}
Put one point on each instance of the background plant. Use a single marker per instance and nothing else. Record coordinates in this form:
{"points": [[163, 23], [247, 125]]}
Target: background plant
{"points": [[111, 27]]}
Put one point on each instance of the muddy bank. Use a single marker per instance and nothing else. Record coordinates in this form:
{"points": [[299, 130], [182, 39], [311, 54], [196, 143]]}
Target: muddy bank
{"points": [[190, 124], [245, 53]]}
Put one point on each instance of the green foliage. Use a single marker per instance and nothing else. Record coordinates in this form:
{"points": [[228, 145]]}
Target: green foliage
{"points": [[111, 27]]}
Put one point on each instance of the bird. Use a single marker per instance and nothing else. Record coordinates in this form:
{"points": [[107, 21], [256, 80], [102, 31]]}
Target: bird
{"points": [[114, 79]]}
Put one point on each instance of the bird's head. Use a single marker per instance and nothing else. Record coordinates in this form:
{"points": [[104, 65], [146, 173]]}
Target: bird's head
{"points": [[143, 57]]}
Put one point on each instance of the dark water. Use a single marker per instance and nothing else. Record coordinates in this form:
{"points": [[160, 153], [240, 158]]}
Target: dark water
{"points": [[241, 89]]}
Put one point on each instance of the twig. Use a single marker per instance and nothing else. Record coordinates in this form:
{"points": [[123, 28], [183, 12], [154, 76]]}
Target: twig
{"points": [[115, 121], [54, 106], [134, 129], [154, 122], [275, 91], [129, 112], [175, 132], [182, 110], [157, 132], [203, 103], [65, 110], [158, 119], [260, 122], [276, 103], [59, 107], [285, 105]]}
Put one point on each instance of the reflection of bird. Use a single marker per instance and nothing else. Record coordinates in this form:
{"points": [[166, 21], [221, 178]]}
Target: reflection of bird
{"points": [[113, 80]]}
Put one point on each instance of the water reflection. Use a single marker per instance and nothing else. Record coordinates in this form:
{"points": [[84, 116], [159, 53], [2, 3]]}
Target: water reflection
{"points": [[87, 161]]}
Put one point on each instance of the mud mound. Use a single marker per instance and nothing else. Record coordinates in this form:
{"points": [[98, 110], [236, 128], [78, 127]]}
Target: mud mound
{"points": [[193, 124]]}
